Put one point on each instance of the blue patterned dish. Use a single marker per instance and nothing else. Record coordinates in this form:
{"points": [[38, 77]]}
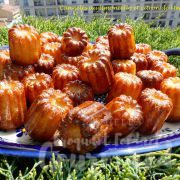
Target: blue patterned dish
{"points": [[18, 143]]}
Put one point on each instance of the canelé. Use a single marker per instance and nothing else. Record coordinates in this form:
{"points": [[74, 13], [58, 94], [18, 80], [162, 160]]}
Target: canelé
{"points": [[46, 114], [85, 127], [156, 107], [171, 87]]}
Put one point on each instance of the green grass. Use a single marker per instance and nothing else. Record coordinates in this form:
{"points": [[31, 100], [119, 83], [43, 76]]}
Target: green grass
{"points": [[158, 165]]}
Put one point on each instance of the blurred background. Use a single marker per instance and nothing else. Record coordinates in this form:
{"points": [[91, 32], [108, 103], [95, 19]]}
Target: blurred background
{"points": [[160, 12]]}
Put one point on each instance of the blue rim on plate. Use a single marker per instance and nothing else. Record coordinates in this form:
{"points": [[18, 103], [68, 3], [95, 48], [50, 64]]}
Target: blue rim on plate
{"points": [[108, 150]]}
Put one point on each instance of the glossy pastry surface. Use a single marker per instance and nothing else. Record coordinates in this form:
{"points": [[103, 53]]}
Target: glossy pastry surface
{"points": [[127, 115], [53, 49], [166, 69], [171, 87], [156, 107], [126, 84], [24, 44], [17, 72], [48, 37], [79, 92], [46, 113], [96, 70], [64, 73], [74, 41], [4, 61], [127, 66], [35, 83], [143, 48], [150, 79], [86, 127], [121, 41], [73, 60], [45, 64], [12, 104], [140, 61], [156, 55]]}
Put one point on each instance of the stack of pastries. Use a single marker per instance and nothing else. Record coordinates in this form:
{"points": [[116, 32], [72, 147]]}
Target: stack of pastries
{"points": [[48, 83]]}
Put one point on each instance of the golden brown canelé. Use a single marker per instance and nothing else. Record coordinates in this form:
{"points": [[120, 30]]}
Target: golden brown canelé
{"points": [[64, 73], [74, 41], [24, 44], [127, 115], [17, 72], [4, 61], [73, 60], [171, 87], [13, 104], [143, 48], [127, 84], [85, 127], [140, 61], [46, 113], [121, 41], [166, 69], [78, 92], [96, 70], [53, 49], [48, 37], [156, 107], [127, 66], [156, 56], [35, 83], [102, 43], [104, 50], [45, 64], [150, 79], [103, 40]]}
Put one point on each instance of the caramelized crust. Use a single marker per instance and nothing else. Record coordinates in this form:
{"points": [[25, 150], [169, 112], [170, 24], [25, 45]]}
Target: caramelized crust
{"points": [[140, 61], [127, 66], [46, 113], [5, 57], [78, 92], [53, 49], [89, 47], [74, 41], [143, 48], [156, 107], [48, 37], [86, 127], [156, 56], [104, 50], [121, 41], [35, 83], [16, 72], [127, 84], [64, 73], [127, 115], [102, 43], [45, 64], [171, 87], [103, 40], [150, 79], [24, 44], [166, 69], [13, 104], [96, 70], [70, 60], [4, 61]]}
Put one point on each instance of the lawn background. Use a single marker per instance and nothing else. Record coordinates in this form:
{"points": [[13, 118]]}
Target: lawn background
{"points": [[157, 165]]}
